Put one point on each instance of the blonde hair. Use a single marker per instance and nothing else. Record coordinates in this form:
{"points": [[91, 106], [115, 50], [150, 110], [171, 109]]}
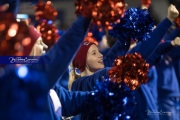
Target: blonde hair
{"points": [[72, 76]]}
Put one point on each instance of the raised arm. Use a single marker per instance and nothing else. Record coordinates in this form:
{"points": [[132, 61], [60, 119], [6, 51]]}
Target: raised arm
{"points": [[145, 48], [87, 83], [57, 59], [73, 103], [169, 47]]}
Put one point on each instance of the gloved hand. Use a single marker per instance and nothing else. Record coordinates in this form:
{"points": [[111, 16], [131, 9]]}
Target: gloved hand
{"points": [[172, 13], [176, 41]]}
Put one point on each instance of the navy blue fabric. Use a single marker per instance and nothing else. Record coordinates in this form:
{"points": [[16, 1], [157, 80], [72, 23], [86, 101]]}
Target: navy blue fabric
{"points": [[167, 80], [177, 69], [145, 101], [172, 34], [73, 103], [152, 82], [118, 49], [143, 96], [168, 89], [161, 49], [87, 83], [57, 59], [167, 84], [23, 98]]}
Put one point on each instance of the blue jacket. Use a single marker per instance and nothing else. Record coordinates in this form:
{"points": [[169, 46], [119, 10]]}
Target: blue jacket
{"points": [[145, 103], [152, 82], [23, 96], [167, 76], [167, 83], [56, 60]]}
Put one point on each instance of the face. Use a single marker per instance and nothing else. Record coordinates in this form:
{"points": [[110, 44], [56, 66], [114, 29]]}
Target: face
{"points": [[94, 60], [38, 48]]}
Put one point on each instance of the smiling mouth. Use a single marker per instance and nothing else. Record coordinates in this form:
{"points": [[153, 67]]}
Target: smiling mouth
{"points": [[101, 61]]}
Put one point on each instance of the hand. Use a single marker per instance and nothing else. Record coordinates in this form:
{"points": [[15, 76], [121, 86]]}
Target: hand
{"points": [[176, 41], [172, 13], [4, 7]]}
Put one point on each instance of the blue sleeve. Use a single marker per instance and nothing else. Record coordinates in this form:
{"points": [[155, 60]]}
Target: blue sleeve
{"points": [[162, 48], [174, 53], [87, 83], [152, 82], [145, 104], [172, 35], [145, 48], [167, 79], [118, 49], [73, 103], [166, 48], [57, 59]]}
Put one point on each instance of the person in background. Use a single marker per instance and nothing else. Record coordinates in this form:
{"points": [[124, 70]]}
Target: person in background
{"points": [[168, 87]]}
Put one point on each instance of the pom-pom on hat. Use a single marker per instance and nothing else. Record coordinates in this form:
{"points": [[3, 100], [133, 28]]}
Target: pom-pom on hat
{"points": [[80, 58]]}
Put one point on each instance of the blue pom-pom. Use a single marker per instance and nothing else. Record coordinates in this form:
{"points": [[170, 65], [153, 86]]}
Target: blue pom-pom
{"points": [[112, 101], [135, 25]]}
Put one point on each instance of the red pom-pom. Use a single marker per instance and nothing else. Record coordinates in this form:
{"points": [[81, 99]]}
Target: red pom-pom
{"points": [[49, 32], [45, 11], [14, 36], [146, 3], [103, 12], [45, 15], [131, 69]]}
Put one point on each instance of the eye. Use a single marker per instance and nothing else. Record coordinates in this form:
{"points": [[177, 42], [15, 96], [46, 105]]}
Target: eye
{"points": [[94, 53]]}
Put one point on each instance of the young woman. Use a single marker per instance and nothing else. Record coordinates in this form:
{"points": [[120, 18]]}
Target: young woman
{"points": [[90, 65]]}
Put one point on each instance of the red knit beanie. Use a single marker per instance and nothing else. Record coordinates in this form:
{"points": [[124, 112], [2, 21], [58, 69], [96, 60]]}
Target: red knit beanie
{"points": [[34, 35], [80, 58]]}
